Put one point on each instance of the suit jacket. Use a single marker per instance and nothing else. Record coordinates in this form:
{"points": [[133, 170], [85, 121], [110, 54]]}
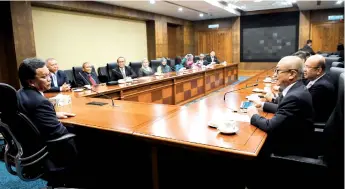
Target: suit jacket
{"points": [[204, 62], [61, 79], [41, 112], [208, 59], [81, 81], [308, 49], [272, 107], [292, 124], [116, 73], [324, 98]]}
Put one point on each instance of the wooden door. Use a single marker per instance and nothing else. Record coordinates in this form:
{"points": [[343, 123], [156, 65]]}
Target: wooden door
{"points": [[326, 36], [219, 41]]}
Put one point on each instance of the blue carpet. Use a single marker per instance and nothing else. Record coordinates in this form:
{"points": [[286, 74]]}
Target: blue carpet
{"points": [[8, 181]]}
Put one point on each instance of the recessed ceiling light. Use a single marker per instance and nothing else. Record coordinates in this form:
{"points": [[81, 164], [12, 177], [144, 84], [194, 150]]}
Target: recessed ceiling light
{"points": [[180, 9], [257, 1], [339, 2], [201, 15], [152, 1]]}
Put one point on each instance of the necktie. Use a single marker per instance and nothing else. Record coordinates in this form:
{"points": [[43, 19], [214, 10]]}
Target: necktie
{"points": [[93, 82], [54, 80], [123, 73]]}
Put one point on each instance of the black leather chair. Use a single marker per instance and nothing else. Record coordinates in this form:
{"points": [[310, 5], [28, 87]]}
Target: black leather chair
{"points": [[334, 75], [324, 54], [196, 58], [70, 77], [135, 66], [154, 64], [333, 55], [328, 168], [171, 63], [338, 64], [27, 155], [111, 66], [329, 61], [103, 74]]}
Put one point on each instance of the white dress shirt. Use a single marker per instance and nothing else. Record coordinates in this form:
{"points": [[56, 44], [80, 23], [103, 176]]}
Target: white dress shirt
{"points": [[123, 71], [54, 79], [311, 83], [284, 92]]}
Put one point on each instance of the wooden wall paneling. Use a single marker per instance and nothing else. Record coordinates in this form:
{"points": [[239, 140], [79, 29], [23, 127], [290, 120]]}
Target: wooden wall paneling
{"points": [[151, 39], [188, 33], [161, 32], [179, 40], [8, 64], [326, 36], [236, 37], [304, 28], [318, 16], [172, 42]]}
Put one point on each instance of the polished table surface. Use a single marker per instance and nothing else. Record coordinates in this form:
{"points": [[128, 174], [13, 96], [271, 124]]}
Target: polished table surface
{"points": [[183, 125]]}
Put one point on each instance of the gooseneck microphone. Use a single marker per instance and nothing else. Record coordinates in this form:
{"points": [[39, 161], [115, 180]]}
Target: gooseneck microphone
{"points": [[112, 100], [247, 86]]}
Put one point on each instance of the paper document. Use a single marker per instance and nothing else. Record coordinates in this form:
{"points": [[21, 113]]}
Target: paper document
{"points": [[238, 117]]}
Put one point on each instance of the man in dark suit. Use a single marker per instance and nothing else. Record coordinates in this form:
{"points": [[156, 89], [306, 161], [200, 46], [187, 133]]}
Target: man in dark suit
{"points": [[291, 125], [122, 71], [308, 47], [59, 81], [89, 77], [202, 60], [35, 79], [320, 87], [212, 58]]}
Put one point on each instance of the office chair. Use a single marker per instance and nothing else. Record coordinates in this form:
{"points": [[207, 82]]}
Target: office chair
{"points": [[110, 66], [154, 64], [25, 150], [103, 74], [329, 61], [135, 66], [328, 168], [338, 64], [70, 77]]}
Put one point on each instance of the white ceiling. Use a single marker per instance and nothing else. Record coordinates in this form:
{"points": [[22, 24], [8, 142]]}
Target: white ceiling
{"points": [[212, 9], [312, 5]]}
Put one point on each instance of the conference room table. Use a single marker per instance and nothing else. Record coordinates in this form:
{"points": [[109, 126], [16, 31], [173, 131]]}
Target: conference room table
{"points": [[179, 126]]}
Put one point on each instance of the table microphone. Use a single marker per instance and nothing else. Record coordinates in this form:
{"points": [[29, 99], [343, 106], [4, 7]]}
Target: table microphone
{"points": [[254, 85], [112, 100]]}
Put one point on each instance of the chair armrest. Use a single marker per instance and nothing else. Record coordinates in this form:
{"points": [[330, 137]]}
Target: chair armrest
{"points": [[63, 137], [300, 159]]}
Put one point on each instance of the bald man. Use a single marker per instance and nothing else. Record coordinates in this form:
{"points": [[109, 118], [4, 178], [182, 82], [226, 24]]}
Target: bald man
{"points": [[320, 87], [58, 77], [291, 125]]}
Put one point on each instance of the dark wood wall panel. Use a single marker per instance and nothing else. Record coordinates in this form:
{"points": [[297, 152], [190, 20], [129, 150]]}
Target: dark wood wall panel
{"points": [[304, 28], [151, 39], [172, 45]]}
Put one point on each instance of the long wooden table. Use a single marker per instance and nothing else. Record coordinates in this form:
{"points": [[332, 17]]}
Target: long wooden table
{"points": [[161, 124], [170, 123]]}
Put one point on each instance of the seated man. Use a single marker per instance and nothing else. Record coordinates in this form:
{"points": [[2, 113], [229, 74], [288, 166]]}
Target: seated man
{"points": [[291, 125], [321, 89], [308, 47], [89, 77], [212, 58], [58, 77], [122, 71], [202, 61]]}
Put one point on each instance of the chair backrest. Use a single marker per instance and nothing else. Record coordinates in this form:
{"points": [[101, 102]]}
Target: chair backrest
{"points": [[329, 61], [333, 55], [70, 77], [110, 66], [196, 58], [135, 66], [25, 147], [338, 64], [334, 74], [324, 54], [103, 75], [334, 130], [154, 64]]}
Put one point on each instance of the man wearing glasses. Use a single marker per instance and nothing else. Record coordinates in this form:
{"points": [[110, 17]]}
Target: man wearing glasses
{"points": [[320, 87], [292, 123]]}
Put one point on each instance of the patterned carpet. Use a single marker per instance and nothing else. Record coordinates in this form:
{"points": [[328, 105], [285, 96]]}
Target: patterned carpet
{"points": [[8, 181]]}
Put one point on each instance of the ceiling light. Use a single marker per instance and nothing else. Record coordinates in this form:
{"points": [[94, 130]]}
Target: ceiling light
{"points": [[180, 9], [152, 1], [292, 1], [257, 1], [339, 2], [201, 15]]}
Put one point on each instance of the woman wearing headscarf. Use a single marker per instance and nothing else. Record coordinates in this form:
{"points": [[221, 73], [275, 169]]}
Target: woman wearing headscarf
{"points": [[145, 69], [188, 61], [164, 68]]}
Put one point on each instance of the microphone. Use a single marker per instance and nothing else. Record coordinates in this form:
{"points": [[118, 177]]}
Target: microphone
{"points": [[97, 103], [254, 85]]}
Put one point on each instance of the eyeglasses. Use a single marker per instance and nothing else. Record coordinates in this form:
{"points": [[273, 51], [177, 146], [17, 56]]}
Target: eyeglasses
{"points": [[305, 66], [277, 71]]}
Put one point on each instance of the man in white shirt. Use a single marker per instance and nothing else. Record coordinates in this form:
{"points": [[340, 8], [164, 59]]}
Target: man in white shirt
{"points": [[58, 77]]}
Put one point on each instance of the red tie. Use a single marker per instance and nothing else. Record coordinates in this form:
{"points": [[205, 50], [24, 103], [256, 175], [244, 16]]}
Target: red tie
{"points": [[93, 82]]}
